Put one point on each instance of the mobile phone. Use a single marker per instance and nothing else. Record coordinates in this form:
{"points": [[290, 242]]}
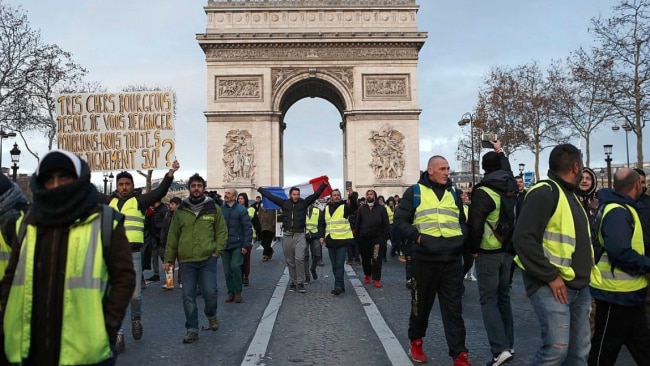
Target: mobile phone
{"points": [[486, 138]]}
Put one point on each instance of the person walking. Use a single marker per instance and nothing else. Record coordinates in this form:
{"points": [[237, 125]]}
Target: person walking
{"points": [[491, 254], [155, 226], [132, 203], [294, 210], [373, 229], [240, 238], [267, 223], [312, 236], [337, 235], [197, 235], [242, 200], [174, 202], [620, 297], [430, 215], [553, 245], [70, 272]]}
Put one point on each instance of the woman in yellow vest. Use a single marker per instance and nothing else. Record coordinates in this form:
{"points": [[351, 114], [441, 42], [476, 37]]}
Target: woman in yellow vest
{"points": [[338, 234], [64, 267]]}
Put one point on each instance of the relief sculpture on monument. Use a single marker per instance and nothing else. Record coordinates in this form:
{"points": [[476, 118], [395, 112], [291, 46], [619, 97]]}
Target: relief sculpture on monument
{"points": [[238, 156], [387, 159]]}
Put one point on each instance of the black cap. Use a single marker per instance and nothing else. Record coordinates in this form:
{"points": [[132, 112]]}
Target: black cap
{"points": [[124, 175], [175, 200], [491, 162]]}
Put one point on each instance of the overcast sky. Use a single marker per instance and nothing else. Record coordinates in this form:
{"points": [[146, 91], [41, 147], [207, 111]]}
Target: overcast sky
{"points": [[152, 42]]}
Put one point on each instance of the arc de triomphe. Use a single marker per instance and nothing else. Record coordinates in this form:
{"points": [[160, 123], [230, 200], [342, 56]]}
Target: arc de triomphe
{"points": [[263, 56]]}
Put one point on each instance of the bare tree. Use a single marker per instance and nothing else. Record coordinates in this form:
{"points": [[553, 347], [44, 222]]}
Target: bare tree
{"points": [[625, 39]]}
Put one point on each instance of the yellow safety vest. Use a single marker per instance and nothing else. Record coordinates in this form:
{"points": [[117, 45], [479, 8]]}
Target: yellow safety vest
{"points": [[83, 333], [559, 238], [390, 213], [133, 219], [439, 218], [312, 221], [620, 281], [488, 240], [337, 226], [251, 213], [5, 253]]}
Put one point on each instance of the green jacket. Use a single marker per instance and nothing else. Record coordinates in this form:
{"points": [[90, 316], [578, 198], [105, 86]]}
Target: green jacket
{"points": [[196, 236]]}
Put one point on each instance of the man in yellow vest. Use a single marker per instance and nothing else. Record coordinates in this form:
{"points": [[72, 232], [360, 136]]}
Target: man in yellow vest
{"points": [[133, 204], [430, 215], [78, 275], [553, 245], [337, 234], [491, 254], [620, 297]]}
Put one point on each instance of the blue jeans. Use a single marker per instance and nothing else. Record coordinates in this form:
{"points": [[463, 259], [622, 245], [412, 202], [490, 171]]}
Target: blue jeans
{"points": [[337, 257], [566, 334], [204, 274], [493, 275]]}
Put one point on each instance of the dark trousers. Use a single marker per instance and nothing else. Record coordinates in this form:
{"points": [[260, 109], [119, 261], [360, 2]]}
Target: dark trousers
{"points": [[617, 326], [395, 240], [353, 251], [445, 280], [267, 239], [371, 257], [407, 249]]}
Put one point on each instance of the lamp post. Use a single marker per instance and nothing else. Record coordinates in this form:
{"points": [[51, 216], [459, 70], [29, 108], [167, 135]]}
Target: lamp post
{"points": [[521, 169], [105, 182], [465, 119], [608, 160], [602, 177], [15, 158], [4, 135], [110, 177], [627, 129]]}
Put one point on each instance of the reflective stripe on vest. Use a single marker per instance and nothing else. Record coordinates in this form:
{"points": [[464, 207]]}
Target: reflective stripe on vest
{"points": [[86, 277], [618, 280], [439, 218], [337, 226], [488, 240], [133, 219], [312, 221], [559, 238]]}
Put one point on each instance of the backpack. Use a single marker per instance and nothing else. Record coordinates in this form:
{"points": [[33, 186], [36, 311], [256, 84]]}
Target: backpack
{"points": [[505, 226]]}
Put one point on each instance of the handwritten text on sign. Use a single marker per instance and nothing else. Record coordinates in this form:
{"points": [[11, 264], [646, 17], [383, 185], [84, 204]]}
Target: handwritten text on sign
{"points": [[120, 131]]}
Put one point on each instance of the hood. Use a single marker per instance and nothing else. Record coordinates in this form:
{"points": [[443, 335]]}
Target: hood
{"points": [[500, 180], [424, 180], [608, 195]]}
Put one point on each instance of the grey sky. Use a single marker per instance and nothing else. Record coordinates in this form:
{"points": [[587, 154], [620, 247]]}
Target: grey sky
{"points": [[152, 42]]}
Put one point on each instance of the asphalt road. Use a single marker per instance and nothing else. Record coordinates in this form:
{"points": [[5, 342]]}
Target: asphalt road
{"points": [[364, 326]]}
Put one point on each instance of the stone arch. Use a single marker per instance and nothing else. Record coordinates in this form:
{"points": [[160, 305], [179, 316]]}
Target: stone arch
{"points": [[264, 56]]}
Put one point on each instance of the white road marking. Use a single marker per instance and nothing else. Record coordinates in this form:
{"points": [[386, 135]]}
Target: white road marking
{"points": [[396, 354], [257, 348]]}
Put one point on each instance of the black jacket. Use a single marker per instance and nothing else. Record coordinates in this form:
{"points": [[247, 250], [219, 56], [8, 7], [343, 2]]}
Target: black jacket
{"points": [[432, 249], [537, 210], [372, 223], [295, 213]]}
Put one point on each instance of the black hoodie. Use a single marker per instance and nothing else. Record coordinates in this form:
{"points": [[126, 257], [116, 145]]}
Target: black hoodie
{"points": [[432, 249]]}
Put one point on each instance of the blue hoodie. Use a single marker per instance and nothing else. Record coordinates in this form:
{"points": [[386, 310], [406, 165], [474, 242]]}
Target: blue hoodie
{"points": [[617, 228]]}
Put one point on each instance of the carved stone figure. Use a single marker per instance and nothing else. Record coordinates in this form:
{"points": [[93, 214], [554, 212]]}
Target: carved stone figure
{"points": [[238, 156], [387, 159]]}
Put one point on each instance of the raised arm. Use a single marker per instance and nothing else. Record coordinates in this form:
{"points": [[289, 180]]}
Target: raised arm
{"points": [[277, 200]]}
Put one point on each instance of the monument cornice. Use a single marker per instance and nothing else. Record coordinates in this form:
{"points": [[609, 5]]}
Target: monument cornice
{"points": [[238, 4]]}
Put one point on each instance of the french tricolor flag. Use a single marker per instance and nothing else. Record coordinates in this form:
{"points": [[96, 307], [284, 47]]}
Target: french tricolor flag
{"points": [[306, 189]]}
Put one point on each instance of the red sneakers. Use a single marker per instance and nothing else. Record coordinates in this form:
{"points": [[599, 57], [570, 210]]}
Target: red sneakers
{"points": [[462, 360], [366, 280], [377, 283], [417, 355]]}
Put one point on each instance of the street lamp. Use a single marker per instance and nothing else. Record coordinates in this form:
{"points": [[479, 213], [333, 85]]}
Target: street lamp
{"points": [[627, 127], [15, 158], [105, 182], [110, 178], [4, 135], [465, 119], [608, 160], [521, 169], [602, 177]]}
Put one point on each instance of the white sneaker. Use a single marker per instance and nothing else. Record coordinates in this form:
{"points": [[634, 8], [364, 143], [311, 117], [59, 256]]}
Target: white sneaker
{"points": [[503, 358]]}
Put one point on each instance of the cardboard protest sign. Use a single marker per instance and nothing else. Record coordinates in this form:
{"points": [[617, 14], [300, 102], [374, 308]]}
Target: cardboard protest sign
{"points": [[118, 131]]}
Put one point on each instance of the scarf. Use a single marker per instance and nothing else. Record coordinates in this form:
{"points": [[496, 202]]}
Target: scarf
{"points": [[9, 202], [196, 204]]}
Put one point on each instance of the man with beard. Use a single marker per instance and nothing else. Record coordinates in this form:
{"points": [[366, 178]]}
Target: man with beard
{"points": [[70, 275], [337, 234], [372, 227], [133, 204], [198, 235], [554, 251]]}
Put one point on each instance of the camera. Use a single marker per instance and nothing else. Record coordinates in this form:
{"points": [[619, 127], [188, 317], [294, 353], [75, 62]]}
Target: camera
{"points": [[486, 140]]}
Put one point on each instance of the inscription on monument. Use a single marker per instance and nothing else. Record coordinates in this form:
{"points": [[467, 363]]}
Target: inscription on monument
{"points": [[386, 87], [238, 87]]}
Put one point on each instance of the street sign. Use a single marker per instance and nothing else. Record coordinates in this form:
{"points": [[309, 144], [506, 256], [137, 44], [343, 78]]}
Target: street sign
{"points": [[528, 178]]}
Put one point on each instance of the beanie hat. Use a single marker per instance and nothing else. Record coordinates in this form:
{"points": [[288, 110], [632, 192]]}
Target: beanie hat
{"points": [[176, 200], [5, 184], [124, 174], [491, 162], [58, 160]]}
